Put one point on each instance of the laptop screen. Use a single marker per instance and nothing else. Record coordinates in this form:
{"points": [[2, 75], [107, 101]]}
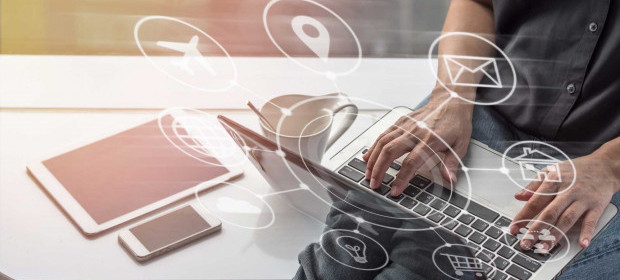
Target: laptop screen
{"points": [[364, 233]]}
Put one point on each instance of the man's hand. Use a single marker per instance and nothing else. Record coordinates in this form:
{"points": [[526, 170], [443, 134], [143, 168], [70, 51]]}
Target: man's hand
{"points": [[597, 180], [451, 122]]}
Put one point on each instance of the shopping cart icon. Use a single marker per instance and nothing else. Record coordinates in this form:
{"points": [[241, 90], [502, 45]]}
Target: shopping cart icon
{"points": [[462, 264]]}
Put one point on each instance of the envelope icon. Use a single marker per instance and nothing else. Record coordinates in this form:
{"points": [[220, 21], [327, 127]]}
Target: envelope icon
{"points": [[456, 65]]}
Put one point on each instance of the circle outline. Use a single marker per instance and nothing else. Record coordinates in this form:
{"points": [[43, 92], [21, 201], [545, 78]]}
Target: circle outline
{"points": [[448, 245], [453, 93], [327, 73], [505, 158], [387, 256], [556, 228], [166, 112], [137, 39], [273, 214]]}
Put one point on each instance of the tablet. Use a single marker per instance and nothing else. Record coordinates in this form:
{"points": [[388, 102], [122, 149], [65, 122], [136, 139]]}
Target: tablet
{"points": [[103, 183]]}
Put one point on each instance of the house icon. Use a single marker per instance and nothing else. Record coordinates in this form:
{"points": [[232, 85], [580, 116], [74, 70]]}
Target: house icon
{"points": [[530, 158]]}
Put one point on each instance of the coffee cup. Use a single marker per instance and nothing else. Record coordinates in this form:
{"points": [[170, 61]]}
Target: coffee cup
{"points": [[305, 124]]}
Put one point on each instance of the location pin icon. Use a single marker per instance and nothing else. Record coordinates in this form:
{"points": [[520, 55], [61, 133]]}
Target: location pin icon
{"points": [[319, 44]]}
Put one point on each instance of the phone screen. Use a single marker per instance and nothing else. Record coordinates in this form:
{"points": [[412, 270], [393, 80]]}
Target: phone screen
{"points": [[169, 228]]}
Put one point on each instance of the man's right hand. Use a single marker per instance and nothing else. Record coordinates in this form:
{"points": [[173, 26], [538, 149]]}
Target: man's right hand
{"points": [[451, 122]]}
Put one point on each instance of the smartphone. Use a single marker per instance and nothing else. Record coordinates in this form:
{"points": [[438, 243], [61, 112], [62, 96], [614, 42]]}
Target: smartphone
{"points": [[168, 231]]}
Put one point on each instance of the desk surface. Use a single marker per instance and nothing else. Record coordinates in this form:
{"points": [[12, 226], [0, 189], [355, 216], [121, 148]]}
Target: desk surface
{"points": [[99, 94], [38, 242], [31, 81]]}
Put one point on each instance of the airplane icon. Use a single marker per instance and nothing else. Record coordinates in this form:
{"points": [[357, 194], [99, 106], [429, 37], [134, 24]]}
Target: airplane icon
{"points": [[190, 51]]}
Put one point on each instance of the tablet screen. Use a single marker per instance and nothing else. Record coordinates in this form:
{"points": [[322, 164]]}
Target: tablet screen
{"points": [[127, 171]]}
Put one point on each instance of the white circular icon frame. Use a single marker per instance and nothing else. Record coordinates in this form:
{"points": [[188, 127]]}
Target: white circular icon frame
{"points": [[326, 73], [449, 245], [224, 162], [566, 250], [435, 71], [137, 39], [534, 142], [387, 256], [273, 215]]}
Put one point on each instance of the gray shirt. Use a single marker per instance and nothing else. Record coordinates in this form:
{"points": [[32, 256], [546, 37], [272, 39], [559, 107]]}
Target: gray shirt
{"points": [[567, 59]]}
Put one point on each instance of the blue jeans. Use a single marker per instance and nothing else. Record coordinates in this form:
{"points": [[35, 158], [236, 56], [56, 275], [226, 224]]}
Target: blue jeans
{"points": [[601, 260]]}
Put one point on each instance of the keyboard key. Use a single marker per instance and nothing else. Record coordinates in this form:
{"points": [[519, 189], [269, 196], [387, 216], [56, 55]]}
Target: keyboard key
{"points": [[395, 166], [508, 239], [412, 191], [438, 204], [466, 218], [526, 262], [486, 269], [365, 183], [421, 209], [424, 197], [518, 272], [420, 181], [382, 189], [479, 225], [439, 191], [463, 230], [477, 237], [395, 198], [485, 256], [408, 202], [451, 211], [494, 232], [500, 263], [387, 178], [351, 174], [503, 222], [506, 252], [536, 256], [491, 244], [436, 216], [482, 212], [358, 164], [458, 200], [449, 224], [499, 276], [472, 246]]}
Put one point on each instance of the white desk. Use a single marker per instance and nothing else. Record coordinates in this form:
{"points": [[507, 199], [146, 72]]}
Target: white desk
{"points": [[46, 102], [38, 242], [28, 81]]}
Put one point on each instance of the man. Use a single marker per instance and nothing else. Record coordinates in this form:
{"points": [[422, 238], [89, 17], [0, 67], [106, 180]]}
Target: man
{"points": [[568, 94]]}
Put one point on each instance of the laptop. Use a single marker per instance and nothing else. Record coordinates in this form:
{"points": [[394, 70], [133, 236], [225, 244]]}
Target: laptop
{"points": [[457, 231]]}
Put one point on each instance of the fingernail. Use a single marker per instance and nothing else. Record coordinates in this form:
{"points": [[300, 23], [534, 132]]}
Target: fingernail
{"points": [[586, 243], [526, 244], [453, 176], [521, 192], [372, 183]]}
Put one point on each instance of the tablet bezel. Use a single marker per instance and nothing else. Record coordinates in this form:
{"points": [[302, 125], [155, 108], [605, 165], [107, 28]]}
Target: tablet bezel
{"points": [[80, 216]]}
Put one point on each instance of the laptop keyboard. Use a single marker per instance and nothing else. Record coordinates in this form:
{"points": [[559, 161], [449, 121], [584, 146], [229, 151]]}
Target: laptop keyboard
{"points": [[477, 225]]}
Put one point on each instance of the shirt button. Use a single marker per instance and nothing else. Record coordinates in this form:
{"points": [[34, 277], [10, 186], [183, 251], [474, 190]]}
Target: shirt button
{"points": [[593, 27], [571, 88]]}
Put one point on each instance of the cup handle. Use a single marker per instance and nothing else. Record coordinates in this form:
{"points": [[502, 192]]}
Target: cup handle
{"points": [[346, 123]]}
